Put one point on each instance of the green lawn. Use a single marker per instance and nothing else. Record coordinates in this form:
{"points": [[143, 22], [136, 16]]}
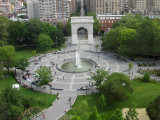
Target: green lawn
{"points": [[27, 51], [142, 95], [46, 98]]}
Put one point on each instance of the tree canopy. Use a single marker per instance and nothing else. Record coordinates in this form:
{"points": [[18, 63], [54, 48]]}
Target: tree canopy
{"points": [[117, 87], [44, 42], [8, 56], [134, 36], [44, 75]]}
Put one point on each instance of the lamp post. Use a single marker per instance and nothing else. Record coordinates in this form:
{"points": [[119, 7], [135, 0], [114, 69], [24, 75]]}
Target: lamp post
{"points": [[86, 89], [56, 41], [58, 55], [98, 55]]}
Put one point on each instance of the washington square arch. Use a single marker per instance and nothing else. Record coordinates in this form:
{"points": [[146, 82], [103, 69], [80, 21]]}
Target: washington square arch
{"points": [[82, 29]]}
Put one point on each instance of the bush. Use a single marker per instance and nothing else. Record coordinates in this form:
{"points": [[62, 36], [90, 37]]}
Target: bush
{"points": [[117, 87], [153, 109], [146, 77]]}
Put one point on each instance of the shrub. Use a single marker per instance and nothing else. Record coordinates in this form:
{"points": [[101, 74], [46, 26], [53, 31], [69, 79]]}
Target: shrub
{"points": [[117, 87], [153, 109], [146, 77]]}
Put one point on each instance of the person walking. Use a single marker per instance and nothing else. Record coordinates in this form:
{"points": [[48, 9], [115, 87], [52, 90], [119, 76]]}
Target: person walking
{"points": [[43, 116]]}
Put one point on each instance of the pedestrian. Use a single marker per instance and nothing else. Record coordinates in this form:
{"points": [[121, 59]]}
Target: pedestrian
{"points": [[43, 116], [55, 73]]}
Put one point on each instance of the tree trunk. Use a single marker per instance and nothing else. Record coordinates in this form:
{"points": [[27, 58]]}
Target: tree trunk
{"points": [[8, 70]]}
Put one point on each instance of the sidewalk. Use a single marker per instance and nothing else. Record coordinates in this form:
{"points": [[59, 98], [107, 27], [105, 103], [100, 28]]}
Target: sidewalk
{"points": [[59, 108]]}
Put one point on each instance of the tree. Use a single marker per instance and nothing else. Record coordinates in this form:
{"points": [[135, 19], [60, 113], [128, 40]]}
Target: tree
{"points": [[64, 46], [44, 42], [22, 63], [115, 115], [11, 104], [34, 28], [59, 26], [94, 115], [68, 28], [153, 109], [76, 117], [43, 75], [126, 38], [117, 87], [1, 72], [146, 77], [99, 76], [8, 56], [4, 24], [34, 52], [102, 101], [17, 32], [130, 66], [132, 114], [96, 46]]}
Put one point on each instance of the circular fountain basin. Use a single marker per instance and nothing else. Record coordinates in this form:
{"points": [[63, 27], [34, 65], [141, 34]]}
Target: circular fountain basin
{"points": [[70, 65]]}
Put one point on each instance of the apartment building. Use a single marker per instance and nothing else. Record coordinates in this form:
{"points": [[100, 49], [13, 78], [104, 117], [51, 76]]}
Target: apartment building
{"points": [[51, 11], [33, 8], [6, 7]]}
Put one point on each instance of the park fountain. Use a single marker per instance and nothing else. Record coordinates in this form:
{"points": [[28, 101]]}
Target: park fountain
{"points": [[78, 62], [76, 65]]}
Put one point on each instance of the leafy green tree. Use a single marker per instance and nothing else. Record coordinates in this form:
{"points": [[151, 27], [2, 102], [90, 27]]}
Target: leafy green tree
{"points": [[55, 34], [4, 24], [17, 32], [68, 28], [99, 77], [44, 75], [130, 66], [94, 115], [44, 42], [11, 104], [34, 28], [59, 26], [115, 115], [117, 87], [96, 46], [132, 114], [126, 38], [153, 109], [1, 72], [22, 63], [84, 105], [8, 56], [34, 52], [76, 117], [146, 77], [102, 101]]}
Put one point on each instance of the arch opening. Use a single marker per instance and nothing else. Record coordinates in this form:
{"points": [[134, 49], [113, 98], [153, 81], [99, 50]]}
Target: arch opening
{"points": [[82, 33]]}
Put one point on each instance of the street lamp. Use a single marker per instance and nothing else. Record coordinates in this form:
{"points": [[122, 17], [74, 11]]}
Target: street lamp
{"points": [[56, 41], [58, 55], [86, 89], [98, 55]]}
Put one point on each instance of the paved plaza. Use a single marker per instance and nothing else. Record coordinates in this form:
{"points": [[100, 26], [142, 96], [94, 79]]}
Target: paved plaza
{"points": [[69, 85]]}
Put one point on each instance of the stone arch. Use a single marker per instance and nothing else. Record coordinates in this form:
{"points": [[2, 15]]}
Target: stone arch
{"points": [[86, 22]]}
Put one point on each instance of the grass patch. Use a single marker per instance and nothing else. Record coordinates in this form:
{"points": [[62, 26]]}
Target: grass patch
{"points": [[45, 98], [143, 94], [27, 51]]}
